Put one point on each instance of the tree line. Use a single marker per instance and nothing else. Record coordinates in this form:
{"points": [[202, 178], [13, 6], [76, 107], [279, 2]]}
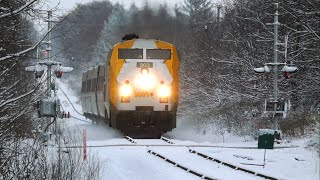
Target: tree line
{"points": [[219, 45]]}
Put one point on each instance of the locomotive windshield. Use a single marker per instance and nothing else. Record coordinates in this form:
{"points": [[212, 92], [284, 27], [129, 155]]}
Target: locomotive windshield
{"points": [[158, 53], [130, 53]]}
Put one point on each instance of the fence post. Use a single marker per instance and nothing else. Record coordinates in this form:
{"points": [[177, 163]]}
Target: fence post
{"points": [[84, 144]]}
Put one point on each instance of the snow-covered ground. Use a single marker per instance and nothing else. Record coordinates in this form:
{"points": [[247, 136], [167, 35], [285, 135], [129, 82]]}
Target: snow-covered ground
{"points": [[134, 162]]}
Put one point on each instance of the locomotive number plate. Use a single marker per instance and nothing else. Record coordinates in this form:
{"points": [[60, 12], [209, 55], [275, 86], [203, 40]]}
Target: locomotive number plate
{"points": [[144, 64]]}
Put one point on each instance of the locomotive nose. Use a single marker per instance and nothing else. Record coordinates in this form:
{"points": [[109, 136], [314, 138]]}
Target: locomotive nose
{"points": [[145, 80]]}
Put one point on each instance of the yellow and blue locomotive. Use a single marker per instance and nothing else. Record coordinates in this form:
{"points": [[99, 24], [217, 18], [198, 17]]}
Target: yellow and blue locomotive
{"points": [[136, 90]]}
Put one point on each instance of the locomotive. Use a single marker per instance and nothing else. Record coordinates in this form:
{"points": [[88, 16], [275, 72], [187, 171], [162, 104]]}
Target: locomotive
{"points": [[136, 89]]}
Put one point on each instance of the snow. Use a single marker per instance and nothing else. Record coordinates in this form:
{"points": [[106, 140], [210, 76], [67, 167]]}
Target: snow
{"points": [[186, 131], [201, 165], [136, 163], [122, 161], [279, 162], [266, 132]]}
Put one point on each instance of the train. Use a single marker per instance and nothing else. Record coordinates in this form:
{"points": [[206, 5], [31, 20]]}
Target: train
{"points": [[136, 89]]}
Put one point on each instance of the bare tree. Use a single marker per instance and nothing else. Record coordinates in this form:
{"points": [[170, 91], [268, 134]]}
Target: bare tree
{"points": [[22, 153]]}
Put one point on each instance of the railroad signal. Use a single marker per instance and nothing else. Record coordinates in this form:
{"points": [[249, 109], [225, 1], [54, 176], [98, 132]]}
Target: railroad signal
{"points": [[37, 69], [289, 69], [286, 75], [39, 74], [44, 54], [262, 69], [58, 74], [286, 69], [59, 70]]}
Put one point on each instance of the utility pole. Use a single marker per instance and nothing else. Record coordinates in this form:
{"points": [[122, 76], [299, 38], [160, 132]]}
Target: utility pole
{"points": [[275, 71], [50, 106], [49, 48]]}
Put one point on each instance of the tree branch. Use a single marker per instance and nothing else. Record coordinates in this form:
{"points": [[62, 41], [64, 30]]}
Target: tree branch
{"points": [[18, 10], [26, 50], [17, 98]]}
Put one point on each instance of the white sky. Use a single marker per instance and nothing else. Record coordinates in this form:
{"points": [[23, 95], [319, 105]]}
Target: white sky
{"points": [[66, 5], [62, 7]]}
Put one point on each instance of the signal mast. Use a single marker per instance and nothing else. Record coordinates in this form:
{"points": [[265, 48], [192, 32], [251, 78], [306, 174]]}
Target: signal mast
{"points": [[286, 68]]}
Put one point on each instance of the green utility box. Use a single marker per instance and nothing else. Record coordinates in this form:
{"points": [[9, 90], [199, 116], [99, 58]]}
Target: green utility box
{"points": [[266, 139]]}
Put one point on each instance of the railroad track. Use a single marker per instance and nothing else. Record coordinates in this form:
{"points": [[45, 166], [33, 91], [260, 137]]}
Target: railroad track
{"points": [[165, 142], [171, 145], [202, 175], [130, 139], [187, 169], [163, 139], [207, 157], [233, 166]]}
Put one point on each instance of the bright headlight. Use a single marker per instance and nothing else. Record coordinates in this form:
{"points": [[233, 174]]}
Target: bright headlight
{"points": [[145, 81], [125, 90], [164, 91]]}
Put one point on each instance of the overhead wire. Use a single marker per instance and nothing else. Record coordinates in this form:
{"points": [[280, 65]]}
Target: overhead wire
{"points": [[69, 100], [72, 107]]}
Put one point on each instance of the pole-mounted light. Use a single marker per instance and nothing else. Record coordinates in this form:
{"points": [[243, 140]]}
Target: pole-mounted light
{"points": [[262, 69], [37, 69], [59, 70], [289, 69]]}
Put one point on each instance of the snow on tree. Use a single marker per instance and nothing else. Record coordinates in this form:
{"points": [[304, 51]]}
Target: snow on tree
{"points": [[218, 52], [22, 154], [109, 34]]}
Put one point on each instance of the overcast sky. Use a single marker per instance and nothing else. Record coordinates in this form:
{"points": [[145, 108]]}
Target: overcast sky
{"points": [[66, 5], [62, 7]]}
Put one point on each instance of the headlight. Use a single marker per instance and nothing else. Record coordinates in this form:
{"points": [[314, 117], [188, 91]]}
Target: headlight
{"points": [[125, 90], [145, 82], [164, 91]]}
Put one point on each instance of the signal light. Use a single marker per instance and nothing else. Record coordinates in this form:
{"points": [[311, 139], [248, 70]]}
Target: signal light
{"points": [[262, 69], [289, 69], [58, 74], [39, 73], [286, 75]]}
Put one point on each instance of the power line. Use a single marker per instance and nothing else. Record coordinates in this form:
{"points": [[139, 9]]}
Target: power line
{"points": [[69, 100], [72, 106]]}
